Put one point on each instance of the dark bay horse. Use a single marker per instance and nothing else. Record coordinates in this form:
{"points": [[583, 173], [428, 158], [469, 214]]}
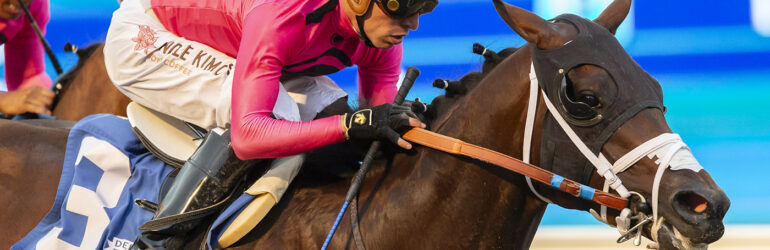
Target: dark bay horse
{"points": [[430, 200], [425, 199]]}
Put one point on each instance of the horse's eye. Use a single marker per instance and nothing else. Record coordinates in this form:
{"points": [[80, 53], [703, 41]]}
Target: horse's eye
{"points": [[590, 99]]}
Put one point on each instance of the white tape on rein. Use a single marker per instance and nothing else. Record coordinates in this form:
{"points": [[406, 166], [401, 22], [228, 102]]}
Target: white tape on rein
{"points": [[669, 149]]}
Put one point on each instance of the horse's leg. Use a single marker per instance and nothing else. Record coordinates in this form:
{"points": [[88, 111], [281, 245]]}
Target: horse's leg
{"points": [[30, 165]]}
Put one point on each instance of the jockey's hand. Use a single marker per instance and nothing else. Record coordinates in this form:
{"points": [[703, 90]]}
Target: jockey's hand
{"points": [[380, 122], [34, 100]]}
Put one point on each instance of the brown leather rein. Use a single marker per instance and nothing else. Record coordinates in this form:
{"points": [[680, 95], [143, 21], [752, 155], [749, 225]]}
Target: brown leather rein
{"points": [[459, 147]]}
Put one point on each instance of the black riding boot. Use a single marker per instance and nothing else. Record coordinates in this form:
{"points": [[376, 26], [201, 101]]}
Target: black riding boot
{"points": [[197, 191]]}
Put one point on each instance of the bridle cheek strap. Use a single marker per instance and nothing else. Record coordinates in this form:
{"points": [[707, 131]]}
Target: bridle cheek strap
{"points": [[529, 127]]}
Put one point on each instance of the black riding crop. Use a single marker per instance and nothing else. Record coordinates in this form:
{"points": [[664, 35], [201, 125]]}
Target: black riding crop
{"points": [[411, 75], [47, 47]]}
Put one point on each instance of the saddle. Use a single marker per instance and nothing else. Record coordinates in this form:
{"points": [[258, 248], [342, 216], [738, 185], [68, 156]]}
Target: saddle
{"points": [[172, 140]]}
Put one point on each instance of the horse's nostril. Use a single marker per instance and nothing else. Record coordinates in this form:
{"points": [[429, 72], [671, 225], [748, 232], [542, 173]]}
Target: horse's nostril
{"points": [[694, 202]]}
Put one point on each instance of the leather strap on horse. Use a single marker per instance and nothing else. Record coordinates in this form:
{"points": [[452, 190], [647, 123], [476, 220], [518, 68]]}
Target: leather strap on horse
{"points": [[355, 225], [459, 147]]}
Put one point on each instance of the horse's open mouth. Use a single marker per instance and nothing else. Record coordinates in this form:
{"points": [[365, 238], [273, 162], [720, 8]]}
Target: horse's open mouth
{"points": [[667, 236]]}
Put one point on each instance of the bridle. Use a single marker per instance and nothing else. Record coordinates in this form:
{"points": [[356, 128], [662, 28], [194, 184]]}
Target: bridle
{"points": [[669, 149]]}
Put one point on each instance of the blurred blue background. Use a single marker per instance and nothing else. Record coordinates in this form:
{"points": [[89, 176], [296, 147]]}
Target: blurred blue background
{"points": [[711, 57]]}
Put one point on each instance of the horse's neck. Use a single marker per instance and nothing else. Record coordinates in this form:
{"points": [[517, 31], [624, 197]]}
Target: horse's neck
{"points": [[493, 114], [474, 197], [87, 89]]}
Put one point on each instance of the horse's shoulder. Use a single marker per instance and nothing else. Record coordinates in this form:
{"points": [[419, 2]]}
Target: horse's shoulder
{"points": [[34, 131]]}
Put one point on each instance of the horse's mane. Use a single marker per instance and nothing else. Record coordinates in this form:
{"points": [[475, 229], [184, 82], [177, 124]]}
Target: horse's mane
{"points": [[67, 77], [341, 160], [455, 89]]}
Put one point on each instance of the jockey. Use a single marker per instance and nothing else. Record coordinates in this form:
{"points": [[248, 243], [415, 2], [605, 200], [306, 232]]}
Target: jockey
{"points": [[224, 64], [25, 78]]}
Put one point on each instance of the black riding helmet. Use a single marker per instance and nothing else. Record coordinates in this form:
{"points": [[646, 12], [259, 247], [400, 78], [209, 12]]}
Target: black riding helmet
{"points": [[393, 8], [406, 8]]}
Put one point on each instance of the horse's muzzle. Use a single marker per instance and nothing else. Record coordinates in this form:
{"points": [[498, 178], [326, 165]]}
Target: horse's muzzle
{"points": [[699, 213]]}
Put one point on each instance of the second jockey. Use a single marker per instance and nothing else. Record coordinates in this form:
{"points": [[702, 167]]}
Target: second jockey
{"points": [[221, 64], [25, 78]]}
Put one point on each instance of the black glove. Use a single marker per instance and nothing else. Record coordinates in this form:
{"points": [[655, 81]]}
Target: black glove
{"points": [[378, 122]]}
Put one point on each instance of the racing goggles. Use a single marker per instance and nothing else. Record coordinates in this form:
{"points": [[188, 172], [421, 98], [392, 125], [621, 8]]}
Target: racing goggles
{"points": [[406, 8]]}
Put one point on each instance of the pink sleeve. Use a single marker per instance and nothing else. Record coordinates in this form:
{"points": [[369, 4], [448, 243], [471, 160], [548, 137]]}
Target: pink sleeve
{"points": [[254, 133], [24, 63], [378, 75]]}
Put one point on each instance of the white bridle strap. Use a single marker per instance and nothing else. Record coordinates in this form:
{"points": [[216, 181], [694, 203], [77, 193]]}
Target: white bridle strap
{"points": [[675, 155], [671, 153], [631, 158], [659, 175], [668, 148], [603, 167], [601, 164], [648, 148], [605, 170], [529, 126]]}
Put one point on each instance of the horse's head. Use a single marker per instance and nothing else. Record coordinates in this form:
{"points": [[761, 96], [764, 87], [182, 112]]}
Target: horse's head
{"points": [[616, 109]]}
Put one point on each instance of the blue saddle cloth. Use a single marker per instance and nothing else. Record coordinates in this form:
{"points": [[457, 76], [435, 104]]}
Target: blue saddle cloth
{"points": [[106, 168]]}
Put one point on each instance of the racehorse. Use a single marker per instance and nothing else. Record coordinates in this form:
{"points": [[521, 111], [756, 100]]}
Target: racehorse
{"points": [[85, 89], [429, 199]]}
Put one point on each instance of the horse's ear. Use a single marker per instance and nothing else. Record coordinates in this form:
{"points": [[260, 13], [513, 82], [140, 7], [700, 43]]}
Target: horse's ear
{"points": [[614, 15], [529, 26]]}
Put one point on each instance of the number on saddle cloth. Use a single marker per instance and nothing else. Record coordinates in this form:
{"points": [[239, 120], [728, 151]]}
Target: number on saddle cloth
{"points": [[105, 170]]}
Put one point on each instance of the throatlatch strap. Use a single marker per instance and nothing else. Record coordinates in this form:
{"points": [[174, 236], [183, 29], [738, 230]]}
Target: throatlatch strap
{"points": [[459, 147]]}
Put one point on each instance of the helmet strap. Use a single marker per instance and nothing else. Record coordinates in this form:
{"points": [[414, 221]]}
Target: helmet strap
{"points": [[360, 20]]}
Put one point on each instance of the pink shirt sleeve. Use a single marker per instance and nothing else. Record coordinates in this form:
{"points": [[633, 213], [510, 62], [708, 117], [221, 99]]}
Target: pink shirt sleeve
{"points": [[254, 133], [378, 74], [24, 62]]}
